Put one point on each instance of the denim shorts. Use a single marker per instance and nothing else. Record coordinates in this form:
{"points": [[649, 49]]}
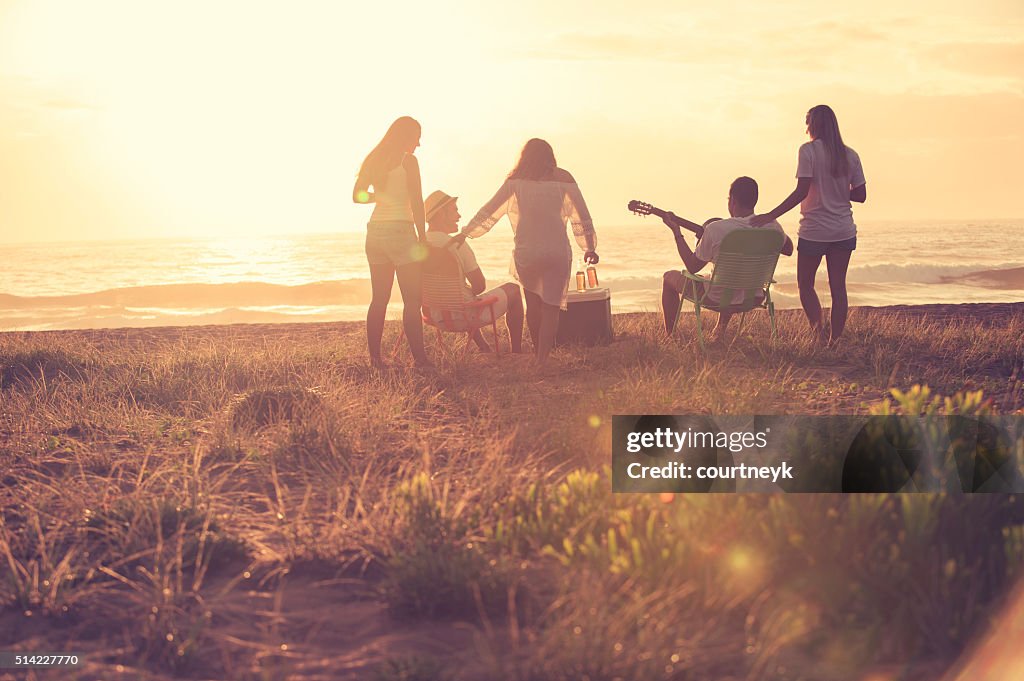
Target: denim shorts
{"points": [[820, 248], [393, 243]]}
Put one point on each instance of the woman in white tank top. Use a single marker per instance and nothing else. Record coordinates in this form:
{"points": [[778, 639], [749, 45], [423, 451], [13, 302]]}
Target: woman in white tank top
{"points": [[829, 176], [395, 235]]}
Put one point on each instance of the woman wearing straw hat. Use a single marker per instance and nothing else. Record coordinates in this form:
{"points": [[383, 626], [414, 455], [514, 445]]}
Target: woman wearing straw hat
{"points": [[539, 197], [393, 246]]}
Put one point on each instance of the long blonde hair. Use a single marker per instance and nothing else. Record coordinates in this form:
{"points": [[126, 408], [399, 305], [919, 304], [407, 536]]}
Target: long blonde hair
{"points": [[390, 151], [823, 125]]}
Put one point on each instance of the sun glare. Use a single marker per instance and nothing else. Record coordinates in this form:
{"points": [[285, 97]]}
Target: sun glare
{"points": [[236, 117], [228, 116]]}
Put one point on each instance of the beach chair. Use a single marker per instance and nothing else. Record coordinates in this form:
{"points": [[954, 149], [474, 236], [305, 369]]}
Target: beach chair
{"points": [[444, 304], [745, 267]]}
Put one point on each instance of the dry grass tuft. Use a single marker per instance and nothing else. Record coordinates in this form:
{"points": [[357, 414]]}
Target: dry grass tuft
{"points": [[257, 408]]}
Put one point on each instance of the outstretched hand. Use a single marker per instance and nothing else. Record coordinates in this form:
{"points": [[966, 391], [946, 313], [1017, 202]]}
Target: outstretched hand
{"points": [[760, 220], [591, 258], [456, 240]]}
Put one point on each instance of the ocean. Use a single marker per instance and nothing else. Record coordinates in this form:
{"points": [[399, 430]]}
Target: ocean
{"points": [[324, 277]]}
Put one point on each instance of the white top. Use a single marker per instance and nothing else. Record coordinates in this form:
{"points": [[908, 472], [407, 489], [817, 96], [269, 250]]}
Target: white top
{"points": [[709, 244], [538, 211], [826, 214], [391, 202], [463, 253]]}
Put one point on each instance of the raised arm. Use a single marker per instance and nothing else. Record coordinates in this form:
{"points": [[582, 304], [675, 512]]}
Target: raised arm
{"points": [[492, 211], [674, 222], [412, 176], [693, 263], [803, 185]]}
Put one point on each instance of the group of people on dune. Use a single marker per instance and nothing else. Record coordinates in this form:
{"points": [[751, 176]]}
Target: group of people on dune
{"points": [[541, 199]]}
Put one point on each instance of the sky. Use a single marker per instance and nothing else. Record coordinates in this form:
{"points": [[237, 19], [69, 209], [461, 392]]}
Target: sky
{"points": [[134, 118]]}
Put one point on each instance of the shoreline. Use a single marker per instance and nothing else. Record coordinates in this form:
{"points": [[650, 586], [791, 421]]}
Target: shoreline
{"points": [[985, 313]]}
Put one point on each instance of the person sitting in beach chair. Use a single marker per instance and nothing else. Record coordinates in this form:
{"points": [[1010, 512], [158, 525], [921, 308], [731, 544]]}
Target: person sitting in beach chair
{"points": [[442, 215], [742, 199]]}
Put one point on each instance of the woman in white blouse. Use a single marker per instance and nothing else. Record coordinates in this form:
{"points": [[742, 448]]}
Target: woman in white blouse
{"points": [[539, 197]]}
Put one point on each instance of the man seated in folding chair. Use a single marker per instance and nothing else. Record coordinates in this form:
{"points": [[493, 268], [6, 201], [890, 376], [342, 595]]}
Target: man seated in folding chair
{"points": [[442, 214], [677, 286]]}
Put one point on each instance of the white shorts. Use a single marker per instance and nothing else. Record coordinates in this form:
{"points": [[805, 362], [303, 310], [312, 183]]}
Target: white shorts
{"points": [[476, 317], [500, 306]]}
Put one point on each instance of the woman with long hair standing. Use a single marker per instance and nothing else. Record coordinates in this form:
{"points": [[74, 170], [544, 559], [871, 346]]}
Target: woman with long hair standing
{"points": [[393, 245], [829, 176], [539, 197]]}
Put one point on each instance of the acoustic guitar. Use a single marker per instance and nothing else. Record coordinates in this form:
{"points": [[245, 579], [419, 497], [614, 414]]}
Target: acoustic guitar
{"points": [[644, 208]]}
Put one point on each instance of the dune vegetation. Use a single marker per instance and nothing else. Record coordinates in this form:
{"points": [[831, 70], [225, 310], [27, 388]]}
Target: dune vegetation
{"points": [[255, 502]]}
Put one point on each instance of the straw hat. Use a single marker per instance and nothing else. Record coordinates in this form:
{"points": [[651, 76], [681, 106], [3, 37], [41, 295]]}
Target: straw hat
{"points": [[435, 202]]}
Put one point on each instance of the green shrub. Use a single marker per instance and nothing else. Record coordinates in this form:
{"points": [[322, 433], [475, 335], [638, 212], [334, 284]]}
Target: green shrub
{"points": [[436, 569]]}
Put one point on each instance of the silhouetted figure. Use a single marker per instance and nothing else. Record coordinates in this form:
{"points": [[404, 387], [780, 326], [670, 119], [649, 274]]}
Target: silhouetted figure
{"points": [[443, 219], [742, 199], [393, 245], [538, 198], [829, 176]]}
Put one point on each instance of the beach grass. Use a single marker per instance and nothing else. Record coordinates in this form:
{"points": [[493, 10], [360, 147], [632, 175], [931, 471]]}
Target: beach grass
{"points": [[256, 502]]}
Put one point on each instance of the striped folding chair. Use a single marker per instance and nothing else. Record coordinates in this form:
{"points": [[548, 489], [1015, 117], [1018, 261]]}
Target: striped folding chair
{"points": [[744, 272], [444, 305]]}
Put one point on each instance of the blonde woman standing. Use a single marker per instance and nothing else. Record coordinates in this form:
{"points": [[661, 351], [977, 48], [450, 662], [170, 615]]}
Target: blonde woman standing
{"points": [[395, 234]]}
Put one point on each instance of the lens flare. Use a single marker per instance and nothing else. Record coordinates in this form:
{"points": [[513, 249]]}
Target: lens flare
{"points": [[418, 253], [741, 560]]}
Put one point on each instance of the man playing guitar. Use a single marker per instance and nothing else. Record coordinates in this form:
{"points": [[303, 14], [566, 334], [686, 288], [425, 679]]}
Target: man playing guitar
{"points": [[742, 199]]}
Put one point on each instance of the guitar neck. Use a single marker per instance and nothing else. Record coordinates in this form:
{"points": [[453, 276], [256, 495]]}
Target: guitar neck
{"points": [[666, 215]]}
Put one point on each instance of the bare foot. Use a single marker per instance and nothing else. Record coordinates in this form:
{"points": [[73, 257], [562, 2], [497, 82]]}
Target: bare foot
{"points": [[820, 334]]}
